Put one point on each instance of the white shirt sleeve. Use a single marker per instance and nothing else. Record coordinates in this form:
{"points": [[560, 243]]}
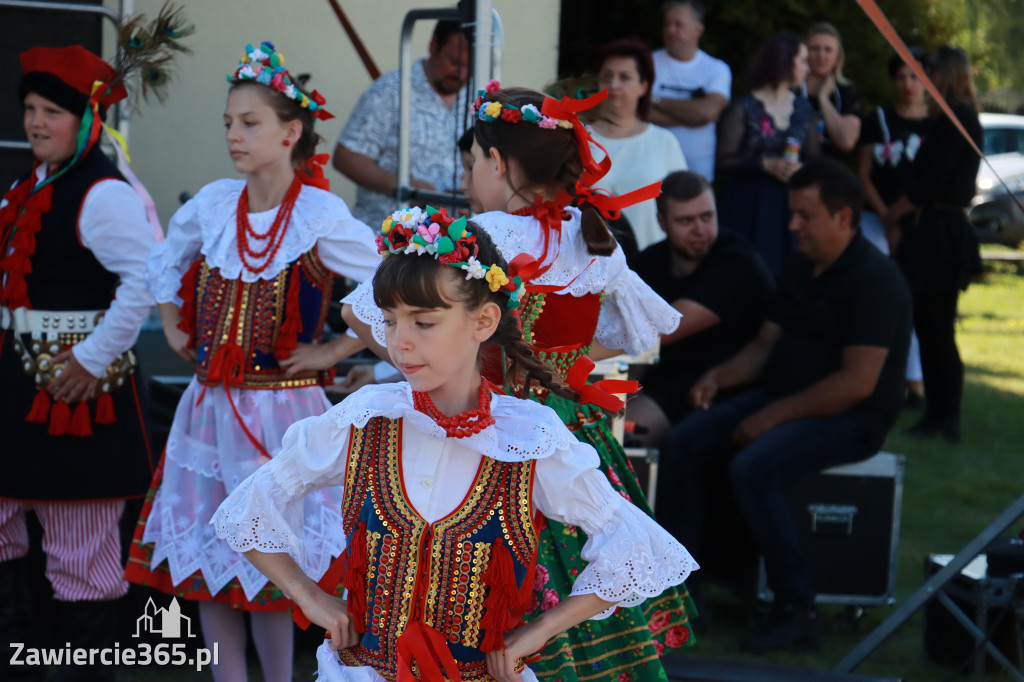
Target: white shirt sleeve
{"points": [[265, 511], [630, 557], [113, 225], [170, 259], [349, 249], [721, 79]]}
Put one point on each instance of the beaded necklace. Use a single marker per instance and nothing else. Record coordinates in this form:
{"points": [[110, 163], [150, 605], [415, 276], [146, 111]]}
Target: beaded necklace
{"points": [[274, 235], [464, 423]]}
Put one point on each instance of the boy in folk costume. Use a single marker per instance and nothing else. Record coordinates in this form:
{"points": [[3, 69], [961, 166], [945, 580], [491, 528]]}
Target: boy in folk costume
{"points": [[73, 241]]}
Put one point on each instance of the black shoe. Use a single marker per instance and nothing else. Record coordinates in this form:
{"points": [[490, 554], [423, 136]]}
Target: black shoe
{"points": [[789, 628]]}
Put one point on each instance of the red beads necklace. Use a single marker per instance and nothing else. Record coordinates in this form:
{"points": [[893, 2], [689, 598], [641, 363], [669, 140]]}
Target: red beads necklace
{"points": [[274, 235], [464, 423]]}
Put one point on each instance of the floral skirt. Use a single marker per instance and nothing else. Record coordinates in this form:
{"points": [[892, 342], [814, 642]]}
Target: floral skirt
{"points": [[627, 646]]}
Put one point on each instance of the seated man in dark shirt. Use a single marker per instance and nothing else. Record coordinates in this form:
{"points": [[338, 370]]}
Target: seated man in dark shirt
{"points": [[827, 367], [715, 279]]}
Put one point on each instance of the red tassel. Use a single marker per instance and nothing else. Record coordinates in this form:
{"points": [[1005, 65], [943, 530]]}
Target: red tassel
{"points": [[60, 415], [287, 337], [502, 595], [80, 424], [105, 409], [226, 365], [40, 408], [187, 293], [355, 578]]}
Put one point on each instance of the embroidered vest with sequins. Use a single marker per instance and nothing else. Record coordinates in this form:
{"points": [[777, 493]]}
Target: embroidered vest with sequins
{"points": [[432, 574], [294, 303]]}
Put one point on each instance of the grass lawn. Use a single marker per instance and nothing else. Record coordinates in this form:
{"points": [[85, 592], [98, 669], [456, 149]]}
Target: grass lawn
{"points": [[951, 493]]}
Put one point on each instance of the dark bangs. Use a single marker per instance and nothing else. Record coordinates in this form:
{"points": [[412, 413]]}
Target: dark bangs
{"points": [[408, 279]]}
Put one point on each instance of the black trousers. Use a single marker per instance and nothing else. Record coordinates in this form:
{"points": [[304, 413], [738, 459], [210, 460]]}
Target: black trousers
{"points": [[935, 322]]}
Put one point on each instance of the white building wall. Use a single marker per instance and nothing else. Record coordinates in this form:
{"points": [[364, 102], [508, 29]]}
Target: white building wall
{"points": [[180, 146]]}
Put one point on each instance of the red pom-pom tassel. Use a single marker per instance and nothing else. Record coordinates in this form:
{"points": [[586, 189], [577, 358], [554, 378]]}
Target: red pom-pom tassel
{"points": [[60, 416], [40, 408], [105, 409], [80, 424], [287, 337], [502, 596], [355, 578], [187, 293]]}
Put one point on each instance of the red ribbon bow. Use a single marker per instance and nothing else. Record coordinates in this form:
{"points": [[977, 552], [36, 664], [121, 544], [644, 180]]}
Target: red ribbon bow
{"points": [[567, 110], [610, 206], [600, 393], [311, 172]]}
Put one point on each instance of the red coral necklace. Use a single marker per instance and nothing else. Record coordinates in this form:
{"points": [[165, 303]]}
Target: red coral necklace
{"points": [[464, 423], [274, 235]]}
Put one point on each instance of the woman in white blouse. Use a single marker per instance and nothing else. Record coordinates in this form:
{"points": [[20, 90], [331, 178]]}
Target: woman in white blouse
{"points": [[641, 152]]}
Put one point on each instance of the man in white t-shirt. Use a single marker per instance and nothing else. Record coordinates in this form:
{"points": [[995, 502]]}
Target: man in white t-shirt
{"points": [[691, 88]]}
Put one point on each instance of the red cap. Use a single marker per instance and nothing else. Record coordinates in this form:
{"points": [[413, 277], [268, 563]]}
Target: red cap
{"points": [[74, 66]]}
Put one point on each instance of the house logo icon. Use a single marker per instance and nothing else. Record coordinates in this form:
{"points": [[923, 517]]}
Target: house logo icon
{"points": [[168, 623]]}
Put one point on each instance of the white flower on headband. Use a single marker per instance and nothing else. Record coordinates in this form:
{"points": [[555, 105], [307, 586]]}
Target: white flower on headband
{"points": [[531, 108], [258, 55], [247, 72], [409, 217], [473, 269], [418, 249], [290, 91]]}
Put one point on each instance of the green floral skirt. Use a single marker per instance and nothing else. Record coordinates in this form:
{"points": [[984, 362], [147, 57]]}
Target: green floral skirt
{"points": [[627, 646]]}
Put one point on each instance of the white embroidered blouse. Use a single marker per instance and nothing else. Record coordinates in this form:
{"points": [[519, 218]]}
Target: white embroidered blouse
{"points": [[631, 558]]}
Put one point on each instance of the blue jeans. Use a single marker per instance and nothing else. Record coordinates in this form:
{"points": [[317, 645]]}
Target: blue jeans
{"points": [[758, 474]]}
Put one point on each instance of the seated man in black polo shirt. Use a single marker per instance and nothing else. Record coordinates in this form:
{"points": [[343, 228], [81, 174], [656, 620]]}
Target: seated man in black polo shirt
{"points": [[716, 280], [827, 367]]}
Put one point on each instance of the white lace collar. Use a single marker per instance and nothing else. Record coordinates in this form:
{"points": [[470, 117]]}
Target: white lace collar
{"points": [[515, 234], [316, 213], [522, 429]]}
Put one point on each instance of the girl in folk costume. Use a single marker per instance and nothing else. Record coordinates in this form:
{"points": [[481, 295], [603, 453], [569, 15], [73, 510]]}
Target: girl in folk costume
{"points": [[444, 476], [74, 236], [531, 157], [243, 282]]}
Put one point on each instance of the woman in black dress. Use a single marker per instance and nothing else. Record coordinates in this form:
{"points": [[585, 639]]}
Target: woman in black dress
{"points": [[938, 250], [762, 140]]}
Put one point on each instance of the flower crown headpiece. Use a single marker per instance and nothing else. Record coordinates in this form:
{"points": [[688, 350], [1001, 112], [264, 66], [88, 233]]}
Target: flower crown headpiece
{"points": [[265, 65], [432, 231], [553, 113], [493, 111]]}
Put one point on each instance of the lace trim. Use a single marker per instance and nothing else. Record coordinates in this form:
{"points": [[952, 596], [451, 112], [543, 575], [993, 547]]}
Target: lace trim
{"points": [[523, 430], [631, 559]]}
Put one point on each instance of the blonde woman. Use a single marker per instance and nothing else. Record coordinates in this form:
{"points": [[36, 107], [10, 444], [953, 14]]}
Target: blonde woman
{"points": [[831, 93]]}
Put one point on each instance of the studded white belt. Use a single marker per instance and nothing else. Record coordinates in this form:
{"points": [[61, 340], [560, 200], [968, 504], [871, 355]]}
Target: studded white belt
{"points": [[46, 324]]}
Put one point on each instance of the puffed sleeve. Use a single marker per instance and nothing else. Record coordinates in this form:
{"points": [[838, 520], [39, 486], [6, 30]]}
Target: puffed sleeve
{"points": [[630, 557], [265, 511], [348, 249], [170, 259], [632, 314]]}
